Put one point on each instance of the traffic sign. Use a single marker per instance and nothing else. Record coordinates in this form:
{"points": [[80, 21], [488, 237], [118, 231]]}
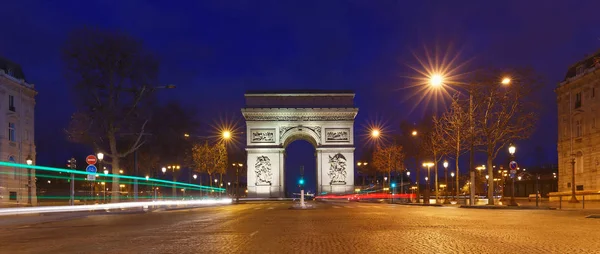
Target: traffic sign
{"points": [[91, 169], [91, 159], [512, 175], [513, 165], [91, 177], [512, 171]]}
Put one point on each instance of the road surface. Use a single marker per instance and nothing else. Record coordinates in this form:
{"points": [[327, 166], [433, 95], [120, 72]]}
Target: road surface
{"points": [[271, 227]]}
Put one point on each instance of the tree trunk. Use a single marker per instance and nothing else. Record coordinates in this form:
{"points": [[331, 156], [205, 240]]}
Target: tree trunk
{"points": [[390, 180], [435, 166], [115, 192], [418, 179], [457, 176], [490, 179]]}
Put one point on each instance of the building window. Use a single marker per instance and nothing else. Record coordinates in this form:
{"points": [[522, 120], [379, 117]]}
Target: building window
{"points": [[12, 195], [11, 159], [578, 100], [579, 187], [578, 129], [580, 70], [568, 185], [11, 132], [11, 103]]}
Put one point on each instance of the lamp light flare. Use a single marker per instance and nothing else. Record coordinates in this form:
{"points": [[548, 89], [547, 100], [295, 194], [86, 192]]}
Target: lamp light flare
{"points": [[506, 81], [226, 134], [436, 80], [375, 133]]}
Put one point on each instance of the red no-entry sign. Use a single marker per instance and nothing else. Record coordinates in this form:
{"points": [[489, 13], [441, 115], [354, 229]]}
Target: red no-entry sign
{"points": [[91, 159]]}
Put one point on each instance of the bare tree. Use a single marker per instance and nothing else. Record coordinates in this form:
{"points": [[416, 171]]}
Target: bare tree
{"points": [[505, 113], [388, 158], [436, 148], [111, 74], [453, 126]]}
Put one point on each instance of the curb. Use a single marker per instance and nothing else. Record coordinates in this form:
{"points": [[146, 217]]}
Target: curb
{"points": [[436, 205], [593, 216], [507, 207]]}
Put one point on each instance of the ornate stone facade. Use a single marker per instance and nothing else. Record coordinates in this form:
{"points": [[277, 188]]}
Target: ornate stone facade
{"points": [[17, 103], [308, 116], [578, 99]]}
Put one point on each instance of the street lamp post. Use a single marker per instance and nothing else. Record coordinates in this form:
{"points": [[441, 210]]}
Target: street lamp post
{"points": [[415, 134], [237, 181], [452, 174], [174, 189], [446, 201], [511, 150], [408, 175], [428, 190], [573, 196]]}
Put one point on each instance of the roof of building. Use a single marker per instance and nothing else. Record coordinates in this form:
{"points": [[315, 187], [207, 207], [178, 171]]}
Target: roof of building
{"points": [[588, 62], [300, 91], [11, 68]]}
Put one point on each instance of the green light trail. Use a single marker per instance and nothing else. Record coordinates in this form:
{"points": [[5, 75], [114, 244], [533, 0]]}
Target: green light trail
{"points": [[143, 179]]}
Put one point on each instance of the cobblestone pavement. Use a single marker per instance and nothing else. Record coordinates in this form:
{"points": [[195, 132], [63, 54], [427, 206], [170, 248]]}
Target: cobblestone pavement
{"points": [[271, 227]]}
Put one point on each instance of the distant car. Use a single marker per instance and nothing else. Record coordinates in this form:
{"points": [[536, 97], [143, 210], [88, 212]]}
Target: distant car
{"points": [[532, 197]]}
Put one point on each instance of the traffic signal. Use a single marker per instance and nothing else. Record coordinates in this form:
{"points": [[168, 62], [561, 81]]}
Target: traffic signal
{"points": [[393, 185], [301, 181], [72, 163]]}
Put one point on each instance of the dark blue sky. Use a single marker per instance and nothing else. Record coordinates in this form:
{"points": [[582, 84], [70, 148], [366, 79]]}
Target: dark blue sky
{"points": [[215, 50]]}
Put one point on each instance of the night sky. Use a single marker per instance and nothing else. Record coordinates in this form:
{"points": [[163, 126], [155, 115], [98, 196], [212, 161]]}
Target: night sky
{"points": [[216, 50]]}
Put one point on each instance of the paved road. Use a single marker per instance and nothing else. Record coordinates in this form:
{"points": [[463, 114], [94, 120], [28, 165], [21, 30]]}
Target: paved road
{"points": [[271, 227]]}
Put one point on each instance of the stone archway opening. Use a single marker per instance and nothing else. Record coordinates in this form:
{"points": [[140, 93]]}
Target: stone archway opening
{"points": [[300, 161]]}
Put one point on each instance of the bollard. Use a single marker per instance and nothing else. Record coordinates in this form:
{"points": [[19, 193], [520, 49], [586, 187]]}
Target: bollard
{"points": [[583, 203], [560, 202]]}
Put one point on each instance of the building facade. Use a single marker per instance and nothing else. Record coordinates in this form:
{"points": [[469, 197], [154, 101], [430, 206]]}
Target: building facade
{"points": [[17, 143], [578, 99]]}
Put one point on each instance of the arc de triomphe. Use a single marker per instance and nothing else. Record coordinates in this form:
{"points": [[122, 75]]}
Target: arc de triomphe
{"points": [[276, 119]]}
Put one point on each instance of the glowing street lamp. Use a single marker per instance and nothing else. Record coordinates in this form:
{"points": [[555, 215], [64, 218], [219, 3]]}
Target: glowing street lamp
{"points": [[29, 160], [414, 133], [227, 135], [100, 156], [506, 81], [375, 133], [164, 170], [106, 171], [436, 80], [195, 176], [147, 177]]}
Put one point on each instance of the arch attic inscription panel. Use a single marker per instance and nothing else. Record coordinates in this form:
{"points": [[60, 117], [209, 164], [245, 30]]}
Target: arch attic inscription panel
{"points": [[276, 119]]}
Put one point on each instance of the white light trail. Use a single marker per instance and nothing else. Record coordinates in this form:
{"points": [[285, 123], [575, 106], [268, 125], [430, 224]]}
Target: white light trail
{"points": [[79, 208]]}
